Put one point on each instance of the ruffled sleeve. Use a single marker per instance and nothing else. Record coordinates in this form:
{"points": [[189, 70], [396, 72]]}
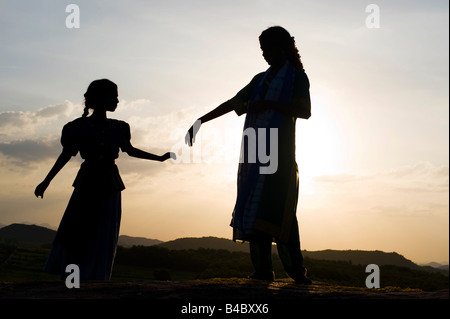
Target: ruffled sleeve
{"points": [[301, 101], [69, 139], [125, 136], [241, 100]]}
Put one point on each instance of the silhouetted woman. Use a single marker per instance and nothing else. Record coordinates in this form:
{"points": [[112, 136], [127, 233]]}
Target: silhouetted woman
{"points": [[88, 233], [265, 209]]}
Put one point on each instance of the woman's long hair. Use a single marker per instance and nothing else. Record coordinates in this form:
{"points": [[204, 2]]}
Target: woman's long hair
{"points": [[96, 92], [279, 37]]}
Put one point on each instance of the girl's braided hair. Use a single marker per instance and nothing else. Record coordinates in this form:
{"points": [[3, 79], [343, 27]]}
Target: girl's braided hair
{"points": [[95, 93]]}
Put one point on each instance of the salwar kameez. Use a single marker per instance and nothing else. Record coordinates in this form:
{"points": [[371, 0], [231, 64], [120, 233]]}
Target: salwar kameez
{"points": [[266, 204]]}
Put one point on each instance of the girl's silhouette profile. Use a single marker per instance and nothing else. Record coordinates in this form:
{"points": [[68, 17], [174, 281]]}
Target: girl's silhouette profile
{"points": [[266, 204], [88, 233]]}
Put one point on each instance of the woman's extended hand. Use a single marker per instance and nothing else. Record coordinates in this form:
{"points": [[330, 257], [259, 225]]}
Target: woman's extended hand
{"points": [[40, 189], [190, 135]]}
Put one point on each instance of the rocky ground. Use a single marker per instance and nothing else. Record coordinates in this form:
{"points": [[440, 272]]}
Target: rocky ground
{"points": [[211, 289], [214, 298]]}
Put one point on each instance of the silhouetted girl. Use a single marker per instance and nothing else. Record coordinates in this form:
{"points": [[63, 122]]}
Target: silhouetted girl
{"points": [[266, 204], [88, 233]]}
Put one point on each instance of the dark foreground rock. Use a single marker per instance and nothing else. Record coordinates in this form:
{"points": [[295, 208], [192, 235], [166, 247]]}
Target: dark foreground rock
{"points": [[215, 298], [236, 289]]}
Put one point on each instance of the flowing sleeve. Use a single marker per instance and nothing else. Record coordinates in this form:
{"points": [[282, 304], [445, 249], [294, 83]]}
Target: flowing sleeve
{"points": [[69, 139], [242, 99], [301, 101]]}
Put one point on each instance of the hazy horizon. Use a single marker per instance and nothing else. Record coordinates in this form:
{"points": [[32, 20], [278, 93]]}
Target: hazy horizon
{"points": [[373, 158], [441, 262]]}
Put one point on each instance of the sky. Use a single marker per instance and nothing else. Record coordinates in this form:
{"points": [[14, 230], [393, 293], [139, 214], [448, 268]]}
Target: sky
{"points": [[373, 158]]}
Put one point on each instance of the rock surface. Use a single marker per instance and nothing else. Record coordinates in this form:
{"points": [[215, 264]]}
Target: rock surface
{"points": [[210, 289], [215, 298]]}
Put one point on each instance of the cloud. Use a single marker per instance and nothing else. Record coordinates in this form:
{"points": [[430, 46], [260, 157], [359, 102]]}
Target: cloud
{"points": [[12, 119], [27, 151], [405, 211], [415, 190], [29, 137], [422, 178], [339, 178], [420, 169], [55, 110], [422, 172], [48, 120]]}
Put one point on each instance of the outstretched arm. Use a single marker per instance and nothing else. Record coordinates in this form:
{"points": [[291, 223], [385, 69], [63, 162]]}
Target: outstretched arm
{"points": [[62, 160], [222, 109], [138, 153]]}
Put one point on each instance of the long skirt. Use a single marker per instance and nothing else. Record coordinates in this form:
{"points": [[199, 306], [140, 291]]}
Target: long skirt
{"points": [[87, 235]]}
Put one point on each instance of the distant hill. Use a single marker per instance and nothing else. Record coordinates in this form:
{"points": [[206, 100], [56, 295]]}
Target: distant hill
{"points": [[205, 242], [360, 257], [128, 241], [356, 257], [27, 235], [38, 236], [444, 268], [437, 266]]}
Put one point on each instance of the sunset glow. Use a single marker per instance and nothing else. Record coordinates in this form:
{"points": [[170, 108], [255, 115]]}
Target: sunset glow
{"points": [[373, 157]]}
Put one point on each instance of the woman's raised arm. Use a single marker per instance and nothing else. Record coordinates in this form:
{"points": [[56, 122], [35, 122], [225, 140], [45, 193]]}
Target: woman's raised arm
{"points": [[222, 109]]}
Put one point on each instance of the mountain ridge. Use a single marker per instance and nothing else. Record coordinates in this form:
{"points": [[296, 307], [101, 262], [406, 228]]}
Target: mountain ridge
{"points": [[34, 235]]}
